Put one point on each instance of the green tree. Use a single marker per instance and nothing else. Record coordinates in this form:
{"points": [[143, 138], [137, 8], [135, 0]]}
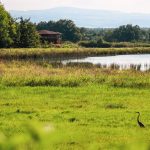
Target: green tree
{"points": [[7, 28], [27, 34], [70, 32], [127, 33]]}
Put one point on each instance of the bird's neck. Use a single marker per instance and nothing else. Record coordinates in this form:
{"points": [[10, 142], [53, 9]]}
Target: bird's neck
{"points": [[138, 117]]}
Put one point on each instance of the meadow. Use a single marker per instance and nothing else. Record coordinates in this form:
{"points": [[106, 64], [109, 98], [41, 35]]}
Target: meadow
{"points": [[49, 106], [91, 117]]}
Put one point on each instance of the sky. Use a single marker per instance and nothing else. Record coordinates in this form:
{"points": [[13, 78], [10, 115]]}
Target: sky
{"points": [[139, 6]]}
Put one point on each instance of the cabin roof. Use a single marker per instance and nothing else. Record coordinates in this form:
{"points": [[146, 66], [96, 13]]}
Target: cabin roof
{"points": [[46, 32]]}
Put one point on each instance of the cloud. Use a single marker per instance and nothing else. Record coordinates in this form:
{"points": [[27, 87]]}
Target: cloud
{"points": [[121, 5]]}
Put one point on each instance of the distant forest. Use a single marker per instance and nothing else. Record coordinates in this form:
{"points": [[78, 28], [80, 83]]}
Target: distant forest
{"points": [[22, 33]]}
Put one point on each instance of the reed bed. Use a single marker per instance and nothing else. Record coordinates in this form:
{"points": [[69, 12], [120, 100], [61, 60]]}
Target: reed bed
{"points": [[63, 53], [29, 73]]}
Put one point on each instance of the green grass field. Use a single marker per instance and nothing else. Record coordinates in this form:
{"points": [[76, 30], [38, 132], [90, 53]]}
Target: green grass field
{"points": [[46, 107], [91, 117]]}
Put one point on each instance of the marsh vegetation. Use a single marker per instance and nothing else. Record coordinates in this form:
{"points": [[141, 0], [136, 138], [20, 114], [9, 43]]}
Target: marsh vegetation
{"points": [[61, 107]]}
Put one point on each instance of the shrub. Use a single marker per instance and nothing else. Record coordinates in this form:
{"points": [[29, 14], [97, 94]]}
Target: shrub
{"points": [[88, 43]]}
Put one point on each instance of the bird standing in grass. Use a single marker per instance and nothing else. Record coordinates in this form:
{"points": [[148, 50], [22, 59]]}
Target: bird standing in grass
{"points": [[138, 121]]}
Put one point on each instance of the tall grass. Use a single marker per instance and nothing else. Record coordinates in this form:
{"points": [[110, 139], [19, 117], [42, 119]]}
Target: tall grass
{"points": [[27, 73], [62, 53]]}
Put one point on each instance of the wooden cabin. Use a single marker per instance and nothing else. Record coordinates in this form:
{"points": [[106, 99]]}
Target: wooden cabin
{"points": [[50, 36]]}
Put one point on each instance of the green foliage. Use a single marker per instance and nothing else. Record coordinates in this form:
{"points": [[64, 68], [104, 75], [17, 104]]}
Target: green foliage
{"points": [[14, 34], [69, 44], [67, 27], [69, 30], [88, 43], [103, 44], [127, 33], [7, 28], [27, 34], [99, 43]]}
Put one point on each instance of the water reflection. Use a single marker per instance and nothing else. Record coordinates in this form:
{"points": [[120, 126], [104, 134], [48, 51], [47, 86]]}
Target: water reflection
{"points": [[137, 62]]}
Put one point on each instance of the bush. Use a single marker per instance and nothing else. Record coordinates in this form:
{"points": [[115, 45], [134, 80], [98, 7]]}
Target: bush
{"points": [[69, 44], [98, 43], [88, 43]]}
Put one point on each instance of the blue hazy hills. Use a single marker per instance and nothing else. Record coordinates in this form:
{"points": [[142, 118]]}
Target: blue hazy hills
{"points": [[86, 17]]}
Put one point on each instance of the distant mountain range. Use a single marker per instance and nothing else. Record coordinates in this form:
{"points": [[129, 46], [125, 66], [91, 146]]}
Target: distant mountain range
{"points": [[86, 17]]}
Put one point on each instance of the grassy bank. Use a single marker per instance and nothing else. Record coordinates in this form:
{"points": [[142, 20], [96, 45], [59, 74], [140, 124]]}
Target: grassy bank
{"points": [[29, 73], [61, 53]]}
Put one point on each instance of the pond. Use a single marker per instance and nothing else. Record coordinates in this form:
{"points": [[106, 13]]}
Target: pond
{"points": [[138, 61]]}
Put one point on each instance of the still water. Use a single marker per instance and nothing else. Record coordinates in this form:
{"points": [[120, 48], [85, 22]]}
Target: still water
{"points": [[142, 61]]}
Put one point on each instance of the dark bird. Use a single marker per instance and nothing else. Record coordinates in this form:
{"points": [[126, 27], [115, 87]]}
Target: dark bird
{"points": [[138, 121]]}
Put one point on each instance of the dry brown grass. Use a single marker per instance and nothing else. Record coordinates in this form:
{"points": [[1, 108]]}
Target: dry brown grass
{"points": [[21, 73]]}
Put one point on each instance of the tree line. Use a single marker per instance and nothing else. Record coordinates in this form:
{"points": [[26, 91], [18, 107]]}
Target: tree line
{"points": [[115, 37], [21, 32], [125, 33]]}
